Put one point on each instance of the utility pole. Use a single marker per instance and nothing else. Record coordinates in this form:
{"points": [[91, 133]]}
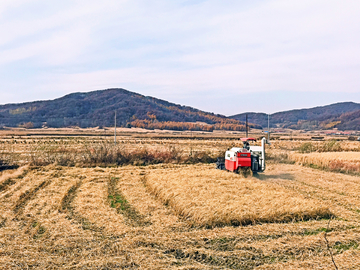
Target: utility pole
{"points": [[115, 130], [247, 126], [268, 128]]}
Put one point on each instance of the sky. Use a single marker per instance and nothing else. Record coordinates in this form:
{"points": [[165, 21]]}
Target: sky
{"points": [[227, 57]]}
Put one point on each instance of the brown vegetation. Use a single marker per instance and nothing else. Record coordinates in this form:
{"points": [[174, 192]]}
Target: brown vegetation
{"points": [[327, 146], [345, 162], [106, 154], [211, 197], [171, 215], [73, 222], [329, 155]]}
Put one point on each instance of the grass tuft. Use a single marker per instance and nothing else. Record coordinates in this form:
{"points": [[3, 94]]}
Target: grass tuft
{"points": [[341, 247]]}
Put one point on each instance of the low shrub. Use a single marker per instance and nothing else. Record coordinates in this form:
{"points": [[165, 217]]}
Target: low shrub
{"points": [[326, 146], [306, 147], [330, 146]]}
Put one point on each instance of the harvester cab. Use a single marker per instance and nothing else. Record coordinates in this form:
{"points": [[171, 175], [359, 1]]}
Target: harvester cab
{"points": [[249, 157]]}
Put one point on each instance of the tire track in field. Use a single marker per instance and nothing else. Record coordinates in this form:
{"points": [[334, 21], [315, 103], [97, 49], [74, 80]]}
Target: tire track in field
{"points": [[246, 261], [67, 206], [69, 197], [132, 184], [164, 204], [24, 198], [9, 180], [118, 201], [27, 196], [246, 257], [233, 253]]}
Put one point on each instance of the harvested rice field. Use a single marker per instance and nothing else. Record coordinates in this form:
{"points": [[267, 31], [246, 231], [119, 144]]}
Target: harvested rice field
{"points": [[177, 216], [211, 197]]}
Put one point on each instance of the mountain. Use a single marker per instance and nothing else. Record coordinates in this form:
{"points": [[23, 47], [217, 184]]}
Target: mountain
{"points": [[97, 108], [349, 121], [344, 116]]}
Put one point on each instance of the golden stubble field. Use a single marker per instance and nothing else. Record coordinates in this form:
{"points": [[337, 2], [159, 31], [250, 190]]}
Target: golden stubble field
{"points": [[174, 216]]}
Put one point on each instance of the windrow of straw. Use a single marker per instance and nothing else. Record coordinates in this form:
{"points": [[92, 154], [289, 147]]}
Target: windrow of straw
{"points": [[209, 197]]}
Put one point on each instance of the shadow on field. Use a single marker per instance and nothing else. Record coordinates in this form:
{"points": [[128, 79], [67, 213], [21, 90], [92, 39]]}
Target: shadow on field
{"points": [[264, 177], [8, 167]]}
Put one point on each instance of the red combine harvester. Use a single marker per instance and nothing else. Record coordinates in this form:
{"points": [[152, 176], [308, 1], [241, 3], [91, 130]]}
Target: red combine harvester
{"points": [[245, 158]]}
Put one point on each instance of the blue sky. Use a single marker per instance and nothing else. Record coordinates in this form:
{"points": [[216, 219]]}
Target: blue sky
{"points": [[225, 57]]}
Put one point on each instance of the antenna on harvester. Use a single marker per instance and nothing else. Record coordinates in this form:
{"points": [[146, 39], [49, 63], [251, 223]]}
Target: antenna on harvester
{"points": [[115, 130], [247, 126]]}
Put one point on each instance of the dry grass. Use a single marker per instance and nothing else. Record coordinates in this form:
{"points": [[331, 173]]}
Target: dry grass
{"points": [[7, 176], [346, 162], [71, 223], [84, 152], [171, 216], [329, 156], [329, 144], [211, 197], [91, 204]]}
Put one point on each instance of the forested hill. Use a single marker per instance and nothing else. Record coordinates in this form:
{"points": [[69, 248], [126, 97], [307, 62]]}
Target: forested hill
{"points": [[97, 108], [344, 116]]}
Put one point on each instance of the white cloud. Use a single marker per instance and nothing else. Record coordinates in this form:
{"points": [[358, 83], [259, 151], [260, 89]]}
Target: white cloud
{"points": [[173, 49]]}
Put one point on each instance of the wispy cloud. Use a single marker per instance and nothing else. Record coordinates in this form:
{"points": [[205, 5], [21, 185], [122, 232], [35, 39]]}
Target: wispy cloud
{"points": [[185, 51]]}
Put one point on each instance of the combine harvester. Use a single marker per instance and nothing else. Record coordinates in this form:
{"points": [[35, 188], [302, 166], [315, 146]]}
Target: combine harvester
{"points": [[245, 159]]}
